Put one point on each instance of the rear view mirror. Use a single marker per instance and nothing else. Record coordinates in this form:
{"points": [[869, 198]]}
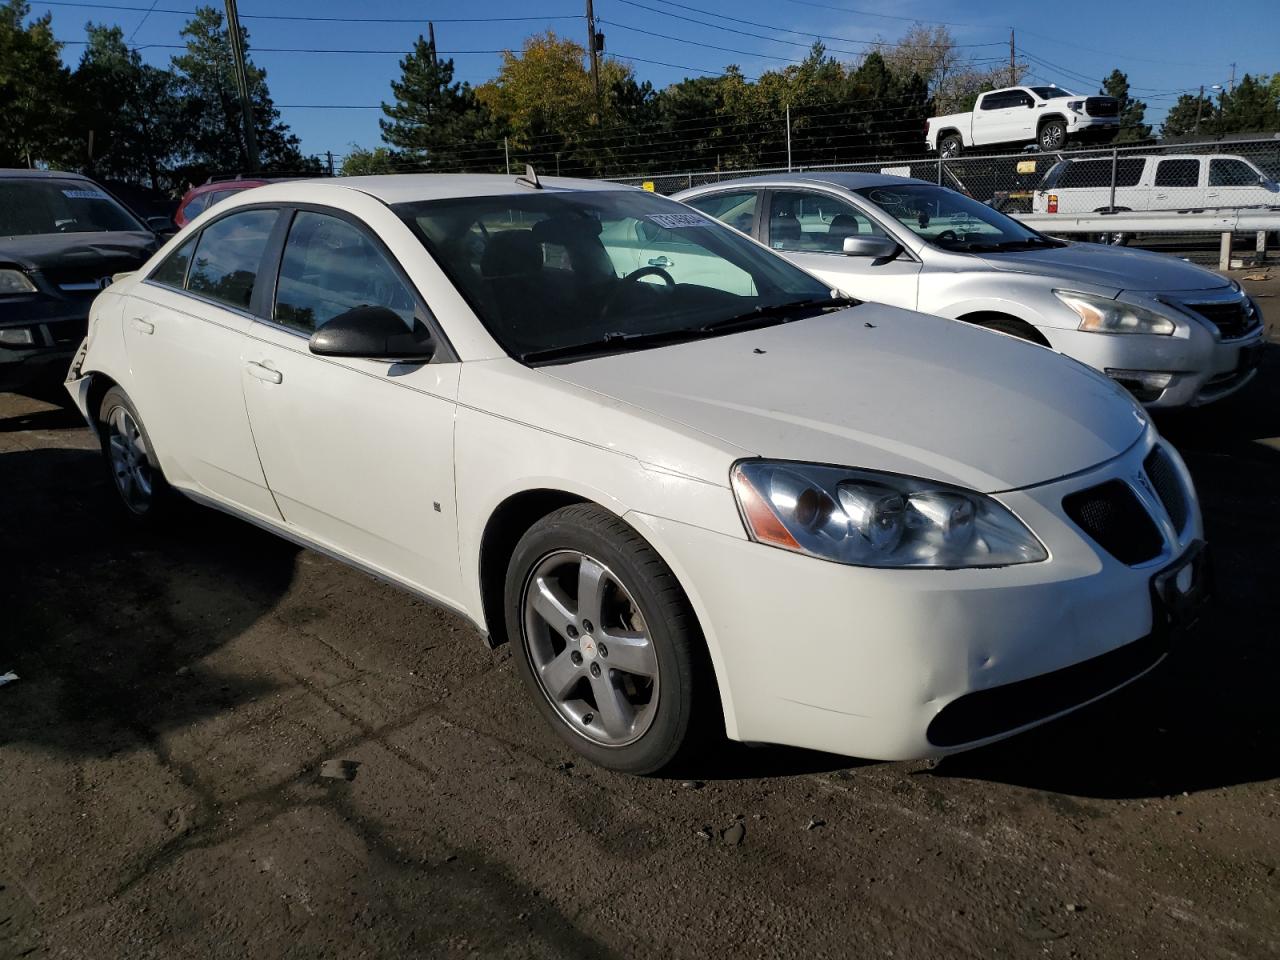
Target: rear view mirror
{"points": [[373, 333], [877, 248]]}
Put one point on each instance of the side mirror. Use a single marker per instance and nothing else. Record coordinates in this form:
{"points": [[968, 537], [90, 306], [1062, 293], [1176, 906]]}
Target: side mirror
{"points": [[877, 248], [373, 333], [162, 225]]}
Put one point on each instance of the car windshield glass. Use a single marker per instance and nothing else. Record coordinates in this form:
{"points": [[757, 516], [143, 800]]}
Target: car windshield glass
{"points": [[30, 206], [554, 274], [953, 221], [1051, 93]]}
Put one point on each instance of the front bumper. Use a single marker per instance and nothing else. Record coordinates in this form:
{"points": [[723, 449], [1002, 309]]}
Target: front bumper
{"points": [[862, 661], [57, 329]]}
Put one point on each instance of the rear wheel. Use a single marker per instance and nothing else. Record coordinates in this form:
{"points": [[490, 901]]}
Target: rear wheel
{"points": [[140, 486], [950, 145], [1053, 135], [1112, 239], [607, 643]]}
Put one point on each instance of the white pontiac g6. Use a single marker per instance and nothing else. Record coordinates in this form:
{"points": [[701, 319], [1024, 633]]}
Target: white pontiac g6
{"points": [[697, 493]]}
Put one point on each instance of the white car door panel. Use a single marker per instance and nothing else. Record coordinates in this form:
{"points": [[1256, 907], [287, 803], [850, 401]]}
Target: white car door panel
{"points": [[358, 453], [185, 353]]}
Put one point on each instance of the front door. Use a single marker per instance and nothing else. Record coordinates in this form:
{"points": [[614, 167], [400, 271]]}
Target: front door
{"points": [[184, 329], [809, 227], [358, 453]]}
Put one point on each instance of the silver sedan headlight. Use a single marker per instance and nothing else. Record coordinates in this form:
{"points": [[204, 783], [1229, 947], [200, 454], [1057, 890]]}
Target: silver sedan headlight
{"points": [[871, 519], [1100, 315]]}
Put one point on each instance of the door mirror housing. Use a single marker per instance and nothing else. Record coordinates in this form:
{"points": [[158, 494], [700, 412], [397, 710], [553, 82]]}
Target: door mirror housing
{"points": [[373, 333], [162, 225], [877, 248]]}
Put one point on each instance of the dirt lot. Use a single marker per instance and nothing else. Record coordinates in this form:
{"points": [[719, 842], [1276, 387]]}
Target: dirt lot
{"points": [[161, 753]]}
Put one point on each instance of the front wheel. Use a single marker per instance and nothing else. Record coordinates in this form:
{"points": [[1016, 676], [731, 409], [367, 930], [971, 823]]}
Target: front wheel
{"points": [[607, 642], [1053, 136]]}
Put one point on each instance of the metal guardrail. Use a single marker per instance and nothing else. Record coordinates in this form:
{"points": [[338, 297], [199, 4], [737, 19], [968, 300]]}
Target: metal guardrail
{"points": [[1235, 220]]}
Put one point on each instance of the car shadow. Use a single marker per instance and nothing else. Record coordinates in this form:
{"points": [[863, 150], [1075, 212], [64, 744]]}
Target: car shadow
{"points": [[105, 624], [1208, 717]]}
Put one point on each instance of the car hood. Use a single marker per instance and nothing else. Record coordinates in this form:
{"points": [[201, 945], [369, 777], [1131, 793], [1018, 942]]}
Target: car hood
{"points": [[44, 251], [885, 389], [1116, 268]]}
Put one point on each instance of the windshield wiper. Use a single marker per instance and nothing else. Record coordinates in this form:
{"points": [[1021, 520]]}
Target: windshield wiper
{"points": [[615, 342], [776, 311]]}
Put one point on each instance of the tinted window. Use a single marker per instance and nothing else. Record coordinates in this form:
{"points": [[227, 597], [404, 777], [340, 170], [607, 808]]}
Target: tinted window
{"points": [[1178, 173], [1097, 173], [994, 101], [29, 207], [815, 222], [330, 267], [738, 209], [1231, 173], [1020, 98], [173, 271], [227, 257], [195, 206]]}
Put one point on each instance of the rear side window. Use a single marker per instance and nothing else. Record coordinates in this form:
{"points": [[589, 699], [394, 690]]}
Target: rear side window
{"points": [[1232, 173], [1097, 173], [738, 210], [227, 257], [330, 267], [1178, 173], [195, 206], [173, 271]]}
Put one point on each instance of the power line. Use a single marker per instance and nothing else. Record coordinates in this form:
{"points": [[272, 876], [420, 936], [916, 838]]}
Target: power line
{"points": [[310, 19], [150, 11]]}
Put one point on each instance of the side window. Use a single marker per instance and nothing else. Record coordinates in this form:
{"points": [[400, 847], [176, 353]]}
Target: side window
{"points": [[815, 222], [993, 101], [737, 209], [1086, 173], [172, 272], [1020, 98], [1178, 173], [1231, 173], [330, 267], [227, 257], [196, 205], [1129, 171]]}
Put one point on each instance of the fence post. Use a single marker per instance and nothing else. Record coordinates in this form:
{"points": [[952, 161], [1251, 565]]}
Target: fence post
{"points": [[939, 168], [1115, 162], [690, 179], [788, 138], [1224, 252]]}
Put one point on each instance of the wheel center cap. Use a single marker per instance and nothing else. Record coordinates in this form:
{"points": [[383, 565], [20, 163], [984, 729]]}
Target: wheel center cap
{"points": [[587, 645]]}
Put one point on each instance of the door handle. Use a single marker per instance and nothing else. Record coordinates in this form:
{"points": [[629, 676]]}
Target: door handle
{"points": [[263, 372], [662, 262], [143, 326]]}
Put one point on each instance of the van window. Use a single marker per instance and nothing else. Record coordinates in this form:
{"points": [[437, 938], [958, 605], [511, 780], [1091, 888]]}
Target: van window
{"points": [[1231, 173], [1097, 173], [1178, 173]]}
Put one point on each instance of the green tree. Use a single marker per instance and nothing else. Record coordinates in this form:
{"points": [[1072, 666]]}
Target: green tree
{"points": [[214, 133], [362, 163], [436, 122], [1251, 107], [1132, 112], [35, 98], [130, 108], [1191, 115]]}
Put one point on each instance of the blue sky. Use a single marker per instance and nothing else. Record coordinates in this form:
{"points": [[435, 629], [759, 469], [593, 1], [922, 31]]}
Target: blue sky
{"points": [[1165, 46]]}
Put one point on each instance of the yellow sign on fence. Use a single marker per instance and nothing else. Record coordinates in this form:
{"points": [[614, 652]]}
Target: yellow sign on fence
{"points": [[648, 185]]}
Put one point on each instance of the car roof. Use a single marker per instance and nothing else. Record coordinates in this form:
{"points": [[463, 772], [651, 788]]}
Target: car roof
{"points": [[409, 187], [837, 178], [22, 173], [1163, 156]]}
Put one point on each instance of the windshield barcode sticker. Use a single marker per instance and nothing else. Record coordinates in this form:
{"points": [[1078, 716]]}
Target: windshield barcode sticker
{"points": [[84, 194], [677, 221]]}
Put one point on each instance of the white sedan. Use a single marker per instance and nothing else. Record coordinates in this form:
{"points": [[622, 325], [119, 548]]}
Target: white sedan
{"points": [[695, 491]]}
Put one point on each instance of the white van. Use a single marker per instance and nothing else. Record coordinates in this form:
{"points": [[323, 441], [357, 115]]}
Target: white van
{"points": [[1166, 182]]}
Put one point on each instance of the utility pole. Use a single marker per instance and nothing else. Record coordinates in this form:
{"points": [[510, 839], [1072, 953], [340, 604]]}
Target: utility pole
{"points": [[329, 155], [242, 84], [1199, 107], [431, 41], [1231, 84], [593, 50], [1013, 63]]}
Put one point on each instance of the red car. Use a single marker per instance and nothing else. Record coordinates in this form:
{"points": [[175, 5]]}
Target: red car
{"points": [[199, 199]]}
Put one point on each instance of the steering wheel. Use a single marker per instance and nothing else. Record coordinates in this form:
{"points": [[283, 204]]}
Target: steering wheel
{"points": [[649, 271], [948, 235]]}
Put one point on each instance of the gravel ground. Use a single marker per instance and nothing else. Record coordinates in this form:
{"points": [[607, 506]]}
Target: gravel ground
{"points": [[165, 791]]}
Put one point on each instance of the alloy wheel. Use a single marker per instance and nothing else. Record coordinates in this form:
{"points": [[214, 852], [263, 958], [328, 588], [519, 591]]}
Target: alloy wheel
{"points": [[129, 463], [590, 648]]}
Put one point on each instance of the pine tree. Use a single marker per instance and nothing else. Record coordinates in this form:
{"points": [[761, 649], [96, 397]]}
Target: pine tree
{"points": [[1181, 120], [1252, 107], [1132, 112], [35, 102]]}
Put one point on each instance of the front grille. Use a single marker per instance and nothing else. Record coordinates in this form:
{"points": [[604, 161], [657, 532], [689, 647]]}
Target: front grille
{"points": [[1113, 516], [1102, 107], [1168, 486], [1233, 319], [85, 280]]}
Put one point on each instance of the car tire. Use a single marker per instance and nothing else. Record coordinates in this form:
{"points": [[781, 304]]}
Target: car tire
{"points": [[1052, 136], [950, 146], [138, 483], [1112, 239], [621, 675]]}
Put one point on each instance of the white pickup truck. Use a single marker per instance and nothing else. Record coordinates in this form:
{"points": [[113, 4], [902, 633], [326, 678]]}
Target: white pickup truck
{"points": [[1049, 116]]}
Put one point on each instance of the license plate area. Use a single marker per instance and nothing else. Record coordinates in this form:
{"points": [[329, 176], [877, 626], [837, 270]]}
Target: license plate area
{"points": [[1180, 592]]}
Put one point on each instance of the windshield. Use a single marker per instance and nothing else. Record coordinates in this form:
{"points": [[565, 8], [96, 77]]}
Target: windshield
{"points": [[551, 273], [30, 206], [1051, 93], [953, 221]]}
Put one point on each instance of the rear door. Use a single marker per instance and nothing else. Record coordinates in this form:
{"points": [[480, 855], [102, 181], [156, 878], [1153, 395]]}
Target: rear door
{"points": [[808, 227], [185, 329], [1178, 184], [358, 453]]}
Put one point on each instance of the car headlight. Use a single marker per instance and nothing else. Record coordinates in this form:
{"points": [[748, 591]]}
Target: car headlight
{"points": [[15, 281], [871, 519], [1100, 315], [1075, 105]]}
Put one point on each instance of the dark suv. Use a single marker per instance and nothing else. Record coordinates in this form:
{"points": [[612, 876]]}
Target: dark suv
{"points": [[62, 238]]}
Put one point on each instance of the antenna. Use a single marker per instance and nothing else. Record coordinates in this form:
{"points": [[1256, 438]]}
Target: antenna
{"points": [[530, 177]]}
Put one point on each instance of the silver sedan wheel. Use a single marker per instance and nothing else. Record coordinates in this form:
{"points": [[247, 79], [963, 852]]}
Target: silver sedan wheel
{"points": [[129, 463], [590, 648]]}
